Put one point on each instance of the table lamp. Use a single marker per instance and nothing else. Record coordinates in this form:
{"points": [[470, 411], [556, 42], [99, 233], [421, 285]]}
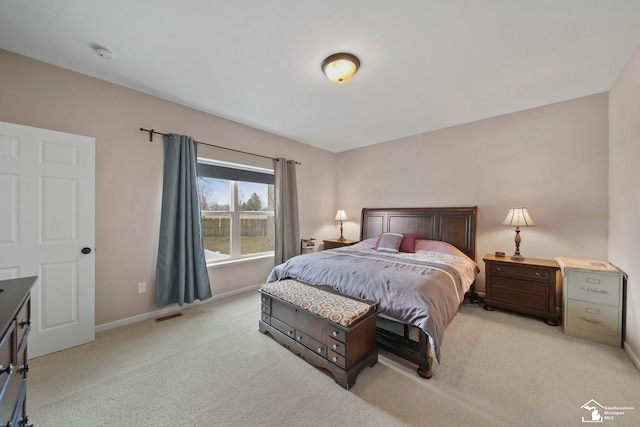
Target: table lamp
{"points": [[341, 216], [518, 217]]}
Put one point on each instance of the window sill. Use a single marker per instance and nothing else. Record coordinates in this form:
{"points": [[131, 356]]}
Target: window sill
{"points": [[238, 261]]}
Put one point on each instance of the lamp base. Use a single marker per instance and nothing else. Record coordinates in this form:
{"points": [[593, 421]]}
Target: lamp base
{"points": [[517, 257], [341, 239]]}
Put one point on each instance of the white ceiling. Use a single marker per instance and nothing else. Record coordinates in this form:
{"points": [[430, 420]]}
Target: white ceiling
{"points": [[426, 64]]}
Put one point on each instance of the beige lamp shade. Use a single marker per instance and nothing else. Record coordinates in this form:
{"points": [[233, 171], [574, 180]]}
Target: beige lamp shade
{"points": [[341, 215], [518, 217]]}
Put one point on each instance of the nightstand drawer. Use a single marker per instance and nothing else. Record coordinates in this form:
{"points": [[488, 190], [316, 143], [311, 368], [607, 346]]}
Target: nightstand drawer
{"points": [[592, 317], [528, 273], [499, 282], [538, 302], [593, 287]]}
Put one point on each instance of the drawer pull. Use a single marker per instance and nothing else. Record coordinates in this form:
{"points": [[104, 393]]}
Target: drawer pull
{"points": [[319, 350], [24, 368], [299, 338], [589, 320], [538, 274], [600, 291], [593, 280], [289, 332], [8, 369], [24, 322], [334, 333], [498, 269], [335, 346], [335, 359]]}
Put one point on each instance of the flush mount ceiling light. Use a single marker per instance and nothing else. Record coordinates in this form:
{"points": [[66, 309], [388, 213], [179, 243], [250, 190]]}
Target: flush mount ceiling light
{"points": [[340, 67]]}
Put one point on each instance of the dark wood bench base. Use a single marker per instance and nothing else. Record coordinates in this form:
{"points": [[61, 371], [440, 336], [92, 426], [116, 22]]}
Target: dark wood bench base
{"points": [[343, 351]]}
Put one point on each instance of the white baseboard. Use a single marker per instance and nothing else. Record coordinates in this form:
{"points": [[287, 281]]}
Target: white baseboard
{"points": [[172, 309], [634, 357]]}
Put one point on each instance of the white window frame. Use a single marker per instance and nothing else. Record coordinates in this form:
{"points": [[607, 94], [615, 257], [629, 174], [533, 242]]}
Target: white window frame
{"points": [[235, 214]]}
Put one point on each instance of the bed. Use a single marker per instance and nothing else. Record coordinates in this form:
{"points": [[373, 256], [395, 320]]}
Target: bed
{"points": [[419, 288]]}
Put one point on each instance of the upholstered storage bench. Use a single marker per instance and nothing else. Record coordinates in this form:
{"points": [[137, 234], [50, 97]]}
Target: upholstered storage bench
{"points": [[329, 330]]}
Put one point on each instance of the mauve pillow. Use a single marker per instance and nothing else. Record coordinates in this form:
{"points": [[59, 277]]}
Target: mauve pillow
{"points": [[408, 243], [389, 242]]}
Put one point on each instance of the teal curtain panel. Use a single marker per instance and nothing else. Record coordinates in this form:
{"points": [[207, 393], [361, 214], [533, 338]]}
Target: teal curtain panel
{"points": [[181, 268]]}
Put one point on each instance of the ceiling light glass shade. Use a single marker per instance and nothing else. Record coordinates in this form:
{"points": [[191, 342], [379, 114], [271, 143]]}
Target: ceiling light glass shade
{"points": [[340, 67], [341, 216], [518, 217]]}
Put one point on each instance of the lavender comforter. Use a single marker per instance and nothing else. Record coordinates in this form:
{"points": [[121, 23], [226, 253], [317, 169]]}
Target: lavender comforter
{"points": [[423, 289]]}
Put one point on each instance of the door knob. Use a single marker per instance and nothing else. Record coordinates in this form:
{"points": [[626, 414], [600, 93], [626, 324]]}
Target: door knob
{"points": [[86, 251]]}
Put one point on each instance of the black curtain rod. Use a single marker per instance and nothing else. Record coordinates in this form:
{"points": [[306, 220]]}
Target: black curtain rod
{"points": [[152, 131]]}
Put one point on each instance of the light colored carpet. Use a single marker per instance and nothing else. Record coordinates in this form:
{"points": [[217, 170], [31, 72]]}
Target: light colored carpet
{"points": [[212, 367]]}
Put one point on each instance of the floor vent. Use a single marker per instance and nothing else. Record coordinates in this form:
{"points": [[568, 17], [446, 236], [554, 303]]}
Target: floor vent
{"points": [[168, 317]]}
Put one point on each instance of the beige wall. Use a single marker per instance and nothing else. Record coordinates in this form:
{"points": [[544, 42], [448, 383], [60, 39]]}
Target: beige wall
{"points": [[624, 190], [552, 160], [129, 171]]}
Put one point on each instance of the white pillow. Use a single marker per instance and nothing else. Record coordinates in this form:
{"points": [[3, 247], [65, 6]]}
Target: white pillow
{"points": [[389, 242], [438, 246]]}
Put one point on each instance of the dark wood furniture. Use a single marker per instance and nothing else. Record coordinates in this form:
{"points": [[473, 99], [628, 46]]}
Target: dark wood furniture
{"points": [[343, 351], [453, 225], [531, 286], [337, 243], [15, 321]]}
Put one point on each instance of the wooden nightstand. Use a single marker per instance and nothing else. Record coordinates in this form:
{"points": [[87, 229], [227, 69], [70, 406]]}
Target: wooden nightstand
{"points": [[335, 243], [532, 286]]}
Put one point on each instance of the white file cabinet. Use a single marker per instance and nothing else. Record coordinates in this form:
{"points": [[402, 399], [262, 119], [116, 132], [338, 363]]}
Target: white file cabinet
{"points": [[593, 305]]}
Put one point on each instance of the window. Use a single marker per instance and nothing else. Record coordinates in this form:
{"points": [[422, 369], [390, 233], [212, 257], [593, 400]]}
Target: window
{"points": [[237, 207]]}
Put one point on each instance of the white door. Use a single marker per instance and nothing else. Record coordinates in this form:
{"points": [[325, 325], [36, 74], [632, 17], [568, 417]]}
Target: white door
{"points": [[47, 217]]}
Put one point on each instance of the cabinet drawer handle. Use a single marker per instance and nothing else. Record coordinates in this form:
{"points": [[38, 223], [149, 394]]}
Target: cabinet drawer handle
{"points": [[335, 346], [538, 274], [334, 333], [24, 368], [589, 320], [335, 359], [600, 291], [24, 322], [319, 350], [498, 269]]}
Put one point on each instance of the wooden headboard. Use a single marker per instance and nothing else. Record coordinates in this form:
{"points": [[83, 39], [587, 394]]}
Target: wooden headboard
{"points": [[453, 225]]}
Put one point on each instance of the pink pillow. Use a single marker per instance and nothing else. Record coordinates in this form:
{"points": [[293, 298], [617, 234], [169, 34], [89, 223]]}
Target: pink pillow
{"points": [[408, 243]]}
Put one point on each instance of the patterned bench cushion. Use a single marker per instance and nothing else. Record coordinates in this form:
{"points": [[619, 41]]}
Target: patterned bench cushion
{"points": [[336, 308]]}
